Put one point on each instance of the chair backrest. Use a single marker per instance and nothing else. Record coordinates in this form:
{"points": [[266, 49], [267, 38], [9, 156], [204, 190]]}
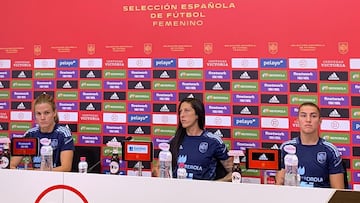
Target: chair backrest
{"points": [[346, 182]]}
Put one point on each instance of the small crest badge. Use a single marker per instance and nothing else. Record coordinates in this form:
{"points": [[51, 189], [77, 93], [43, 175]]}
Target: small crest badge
{"points": [[343, 47], [208, 48], [203, 147], [273, 47], [148, 48], [91, 49], [37, 50], [321, 157]]}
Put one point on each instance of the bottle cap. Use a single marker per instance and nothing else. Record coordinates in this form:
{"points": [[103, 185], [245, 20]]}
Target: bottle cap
{"points": [[82, 158], [291, 149], [164, 146]]}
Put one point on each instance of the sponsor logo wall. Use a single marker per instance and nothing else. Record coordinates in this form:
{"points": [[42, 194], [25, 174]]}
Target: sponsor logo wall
{"points": [[112, 79]]}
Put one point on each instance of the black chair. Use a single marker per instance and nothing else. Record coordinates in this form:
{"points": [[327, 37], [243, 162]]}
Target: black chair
{"points": [[346, 182]]}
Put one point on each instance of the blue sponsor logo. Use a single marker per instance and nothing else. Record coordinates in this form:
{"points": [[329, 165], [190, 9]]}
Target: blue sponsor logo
{"points": [[273, 63], [356, 125], [139, 118], [67, 63], [246, 122], [164, 63]]}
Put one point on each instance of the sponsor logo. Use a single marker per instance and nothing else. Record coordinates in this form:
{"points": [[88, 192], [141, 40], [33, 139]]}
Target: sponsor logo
{"points": [[334, 88], [139, 107], [335, 125], [90, 63], [274, 111], [303, 75], [273, 63], [21, 84], [245, 110], [221, 132], [354, 63], [299, 99], [67, 63], [217, 63], [303, 87], [190, 95], [164, 63], [217, 74], [4, 126], [273, 75], [45, 74], [114, 63], [245, 87], [90, 84], [190, 74], [220, 121], [139, 130], [332, 64], [21, 74], [20, 105], [21, 95], [66, 95], [164, 108], [341, 138], [275, 135], [90, 106], [190, 63], [217, 86], [4, 95], [164, 74], [246, 134], [244, 75], [4, 74], [139, 118], [44, 84], [281, 123], [114, 117], [4, 105], [139, 63], [20, 126], [5, 63], [307, 63], [87, 95], [246, 121], [92, 117], [67, 84], [89, 139], [274, 87], [114, 106], [139, 96], [244, 63], [114, 129], [244, 145], [274, 99], [217, 109], [335, 113], [67, 106], [219, 97], [68, 74], [90, 73], [190, 85], [164, 119], [114, 74], [140, 85], [246, 98], [44, 63], [114, 95], [5, 84], [164, 96], [164, 130], [21, 116], [139, 74], [164, 85], [90, 128], [334, 76], [344, 150]]}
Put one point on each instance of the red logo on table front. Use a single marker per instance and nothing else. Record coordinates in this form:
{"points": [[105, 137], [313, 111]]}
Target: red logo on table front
{"points": [[65, 187]]}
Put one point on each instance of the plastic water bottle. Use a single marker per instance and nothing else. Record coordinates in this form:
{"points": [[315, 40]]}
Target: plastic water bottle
{"points": [[165, 161], [83, 165], [236, 169], [291, 166], [46, 153], [115, 162], [181, 171], [5, 157]]}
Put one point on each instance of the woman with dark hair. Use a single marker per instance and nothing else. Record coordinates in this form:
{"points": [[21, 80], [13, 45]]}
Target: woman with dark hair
{"points": [[47, 127], [197, 148]]}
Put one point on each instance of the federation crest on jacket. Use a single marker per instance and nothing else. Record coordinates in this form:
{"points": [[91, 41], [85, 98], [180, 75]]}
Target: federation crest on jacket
{"points": [[203, 147]]}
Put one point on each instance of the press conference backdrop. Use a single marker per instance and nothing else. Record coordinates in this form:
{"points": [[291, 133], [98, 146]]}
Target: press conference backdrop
{"points": [[119, 68]]}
